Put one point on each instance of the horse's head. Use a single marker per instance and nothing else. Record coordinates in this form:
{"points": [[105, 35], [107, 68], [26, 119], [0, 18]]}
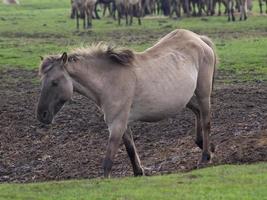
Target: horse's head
{"points": [[56, 88]]}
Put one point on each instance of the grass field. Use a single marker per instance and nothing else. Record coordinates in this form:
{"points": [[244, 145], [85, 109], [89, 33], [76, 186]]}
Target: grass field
{"points": [[229, 182], [36, 28]]}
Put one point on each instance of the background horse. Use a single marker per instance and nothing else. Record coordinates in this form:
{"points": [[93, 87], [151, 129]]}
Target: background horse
{"points": [[83, 9], [129, 8], [128, 87]]}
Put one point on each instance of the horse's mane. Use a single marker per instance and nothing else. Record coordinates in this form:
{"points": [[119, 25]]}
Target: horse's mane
{"points": [[47, 62], [118, 55], [121, 56]]}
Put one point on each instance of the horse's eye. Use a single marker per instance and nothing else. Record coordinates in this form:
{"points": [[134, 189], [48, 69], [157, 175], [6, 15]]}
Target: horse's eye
{"points": [[54, 83]]}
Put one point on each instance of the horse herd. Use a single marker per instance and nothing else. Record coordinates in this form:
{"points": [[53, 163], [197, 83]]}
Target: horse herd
{"points": [[88, 9]]}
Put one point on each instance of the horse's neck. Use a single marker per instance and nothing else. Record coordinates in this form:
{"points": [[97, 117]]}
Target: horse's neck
{"points": [[85, 83]]}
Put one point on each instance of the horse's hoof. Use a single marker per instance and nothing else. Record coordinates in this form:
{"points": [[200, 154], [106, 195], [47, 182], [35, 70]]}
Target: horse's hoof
{"points": [[140, 172], [204, 161]]}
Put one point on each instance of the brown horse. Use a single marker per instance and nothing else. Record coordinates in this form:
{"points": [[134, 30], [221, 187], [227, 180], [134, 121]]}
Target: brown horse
{"points": [[129, 86], [127, 7], [83, 9]]}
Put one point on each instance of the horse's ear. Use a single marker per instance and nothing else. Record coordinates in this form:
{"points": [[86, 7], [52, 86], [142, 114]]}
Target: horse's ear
{"points": [[64, 57], [42, 58]]}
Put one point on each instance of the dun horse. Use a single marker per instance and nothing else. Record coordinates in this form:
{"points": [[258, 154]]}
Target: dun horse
{"points": [[129, 8], [129, 86], [83, 9]]}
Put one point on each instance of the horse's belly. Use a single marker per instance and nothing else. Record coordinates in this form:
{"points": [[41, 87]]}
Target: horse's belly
{"points": [[152, 114], [160, 104]]}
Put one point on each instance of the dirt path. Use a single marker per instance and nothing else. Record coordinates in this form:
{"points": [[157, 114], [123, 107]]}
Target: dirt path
{"points": [[75, 145]]}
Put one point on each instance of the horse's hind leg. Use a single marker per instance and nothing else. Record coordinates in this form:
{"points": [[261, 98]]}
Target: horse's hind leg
{"points": [[132, 153], [204, 104], [203, 94], [198, 125]]}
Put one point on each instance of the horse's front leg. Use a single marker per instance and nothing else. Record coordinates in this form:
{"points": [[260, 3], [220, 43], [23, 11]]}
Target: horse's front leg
{"points": [[132, 153], [116, 130]]}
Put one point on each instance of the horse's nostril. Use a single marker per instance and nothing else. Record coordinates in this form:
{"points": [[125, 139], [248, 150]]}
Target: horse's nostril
{"points": [[45, 114]]}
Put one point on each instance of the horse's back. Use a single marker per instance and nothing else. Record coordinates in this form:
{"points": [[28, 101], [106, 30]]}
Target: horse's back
{"points": [[179, 40]]}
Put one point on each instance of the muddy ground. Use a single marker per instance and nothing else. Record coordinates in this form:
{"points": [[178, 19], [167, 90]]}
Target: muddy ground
{"points": [[74, 146]]}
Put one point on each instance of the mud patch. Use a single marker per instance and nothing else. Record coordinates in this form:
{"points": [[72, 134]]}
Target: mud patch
{"points": [[74, 146]]}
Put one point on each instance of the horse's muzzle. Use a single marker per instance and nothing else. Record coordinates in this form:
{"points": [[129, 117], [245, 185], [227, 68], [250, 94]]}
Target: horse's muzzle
{"points": [[45, 117]]}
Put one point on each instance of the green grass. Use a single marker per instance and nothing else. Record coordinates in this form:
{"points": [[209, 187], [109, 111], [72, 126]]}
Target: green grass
{"points": [[229, 182], [36, 28]]}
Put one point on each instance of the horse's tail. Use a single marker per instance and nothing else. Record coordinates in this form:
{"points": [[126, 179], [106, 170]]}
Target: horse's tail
{"points": [[211, 45]]}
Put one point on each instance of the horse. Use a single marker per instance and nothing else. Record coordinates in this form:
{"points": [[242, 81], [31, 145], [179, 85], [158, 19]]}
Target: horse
{"points": [[175, 7], [200, 5], [129, 8], [242, 4], [83, 9], [130, 86], [149, 7]]}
